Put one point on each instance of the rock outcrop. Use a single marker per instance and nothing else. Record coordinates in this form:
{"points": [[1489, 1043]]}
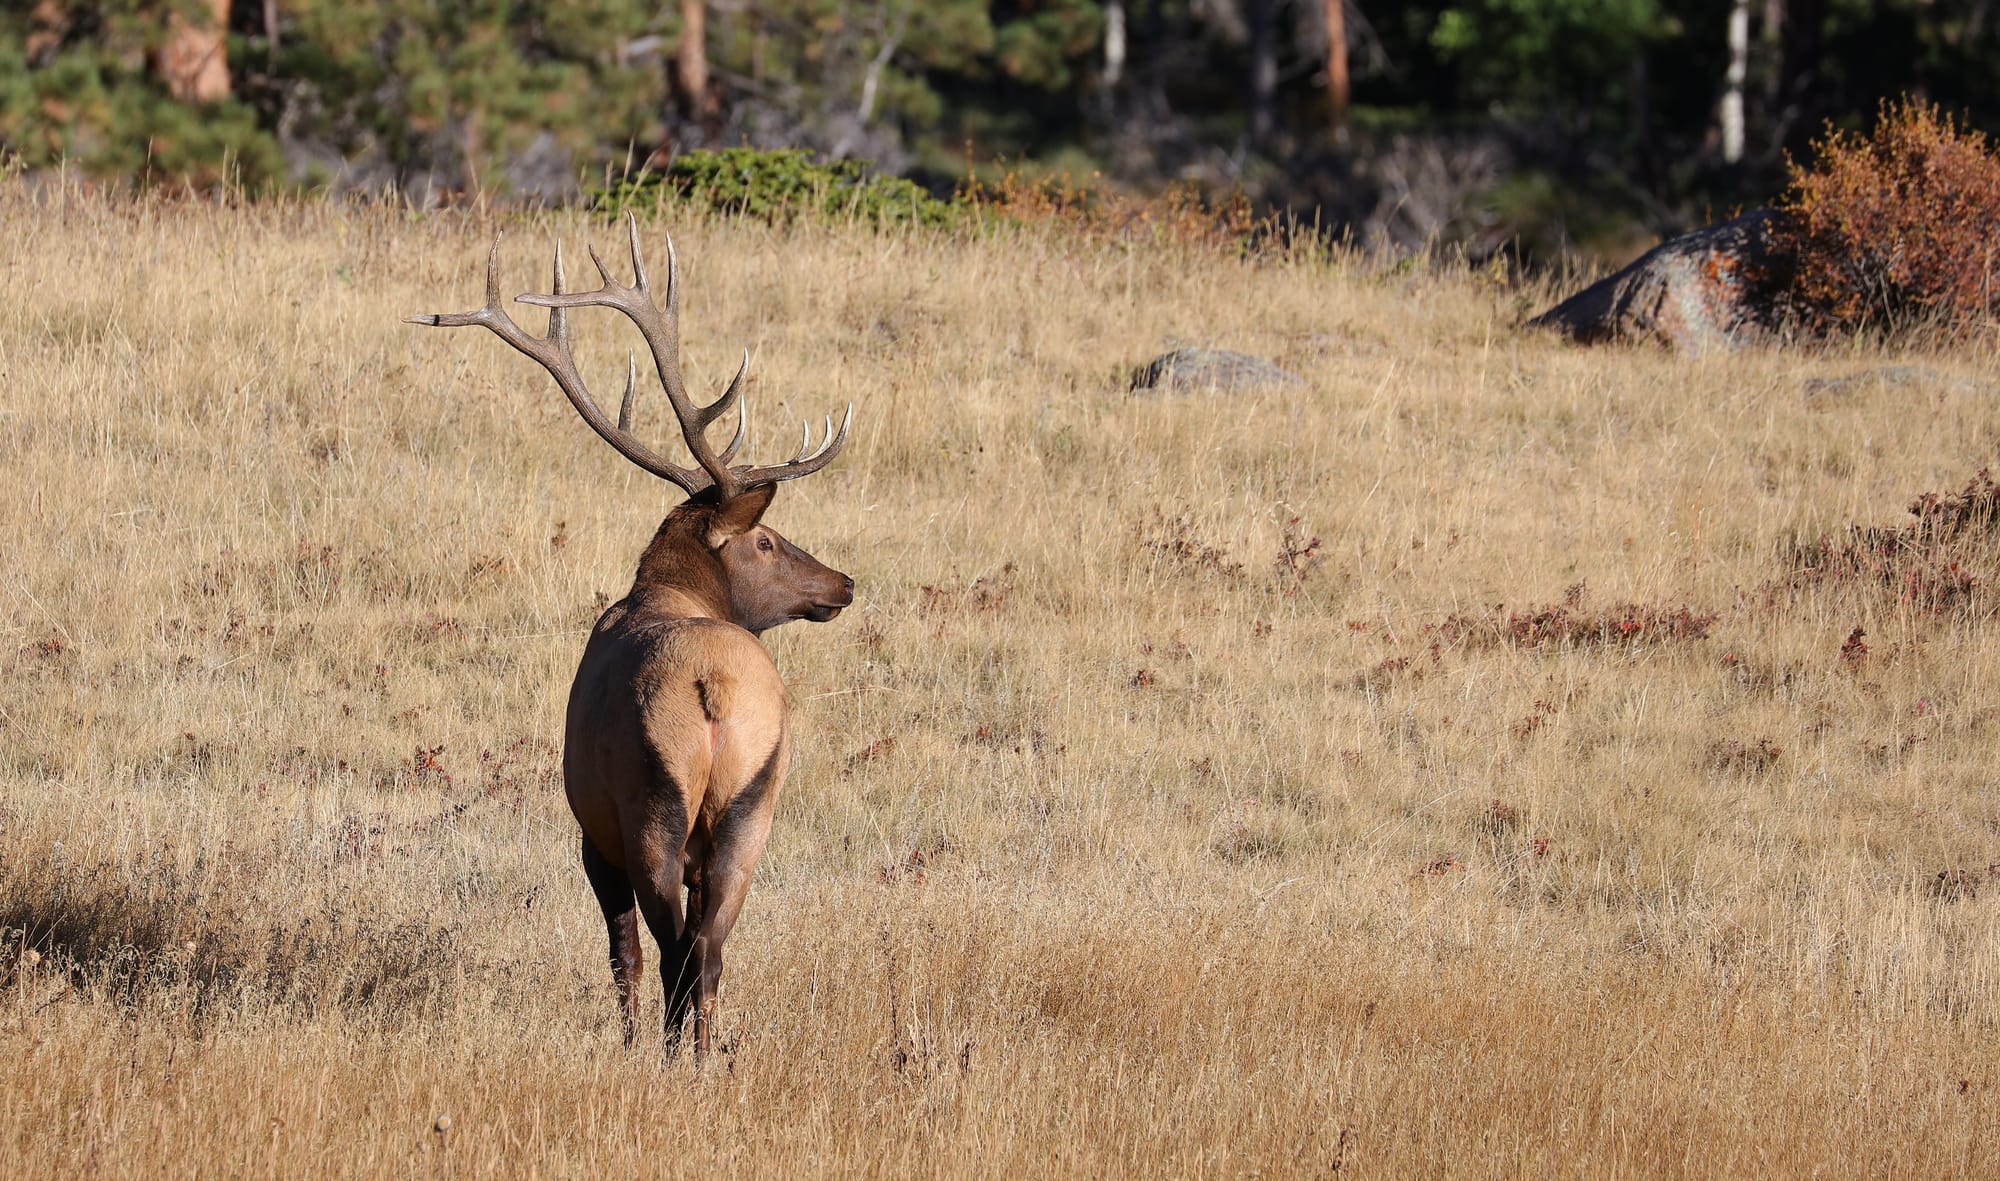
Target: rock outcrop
{"points": [[1715, 289]]}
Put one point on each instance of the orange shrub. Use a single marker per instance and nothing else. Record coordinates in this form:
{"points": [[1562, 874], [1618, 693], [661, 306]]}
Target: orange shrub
{"points": [[1896, 229]]}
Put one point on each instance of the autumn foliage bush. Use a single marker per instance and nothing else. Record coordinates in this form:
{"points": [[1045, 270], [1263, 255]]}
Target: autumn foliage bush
{"points": [[1937, 564], [1896, 229]]}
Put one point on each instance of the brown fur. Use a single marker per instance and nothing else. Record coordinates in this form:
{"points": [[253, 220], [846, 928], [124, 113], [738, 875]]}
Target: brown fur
{"points": [[677, 741]]}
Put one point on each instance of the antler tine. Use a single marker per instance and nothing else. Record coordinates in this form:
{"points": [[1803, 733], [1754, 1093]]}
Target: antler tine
{"points": [[742, 428], [558, 317], [721, 406], [639, 264], [631, 390], [673, 277], [493, 315], [493, 275], [805, 465], [825, 440], [604, 272]]}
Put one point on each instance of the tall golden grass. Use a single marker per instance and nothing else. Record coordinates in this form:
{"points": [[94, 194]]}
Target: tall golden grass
{"points": [[1341, 778]]}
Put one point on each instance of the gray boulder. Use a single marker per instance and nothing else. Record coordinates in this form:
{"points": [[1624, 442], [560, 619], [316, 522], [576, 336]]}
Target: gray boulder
{"points": [[1715, 289], [1210, 369]]}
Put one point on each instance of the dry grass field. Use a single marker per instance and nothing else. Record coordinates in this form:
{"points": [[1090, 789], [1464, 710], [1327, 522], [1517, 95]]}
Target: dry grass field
{"points": [[1457, 765]]}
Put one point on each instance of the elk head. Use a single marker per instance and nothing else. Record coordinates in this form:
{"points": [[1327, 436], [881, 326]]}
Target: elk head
{"points": [[714, 547], [770, 580], [720, 553]]}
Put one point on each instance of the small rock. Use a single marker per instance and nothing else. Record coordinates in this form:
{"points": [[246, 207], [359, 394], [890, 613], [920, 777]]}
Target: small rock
{"points": [[1210, 369], [1899, 377], [1715, 289]]}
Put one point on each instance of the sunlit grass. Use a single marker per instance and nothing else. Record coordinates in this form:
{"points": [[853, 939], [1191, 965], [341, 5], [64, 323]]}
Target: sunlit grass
{"points": [[1201, 784]]}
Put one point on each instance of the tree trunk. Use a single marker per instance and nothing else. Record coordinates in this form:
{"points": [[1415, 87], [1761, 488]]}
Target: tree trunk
{"points": [[892, 39], [191, 60], [1337, 86], [1263, 18], [1732, 89], [693, 96], [1114, 43]]}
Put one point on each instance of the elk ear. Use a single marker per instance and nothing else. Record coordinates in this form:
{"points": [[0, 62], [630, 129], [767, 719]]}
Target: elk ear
{"points": [[739, 514]]}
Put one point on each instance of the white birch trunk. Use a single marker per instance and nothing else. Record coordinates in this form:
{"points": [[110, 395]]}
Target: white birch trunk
{"points": [[1114, 43], [1732, 92]]}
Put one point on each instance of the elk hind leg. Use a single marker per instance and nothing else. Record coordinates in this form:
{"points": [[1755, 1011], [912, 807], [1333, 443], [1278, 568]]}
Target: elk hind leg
{"points": [[739, 844], [656, 879], [722, 900], [680, 968], [615, 897]]}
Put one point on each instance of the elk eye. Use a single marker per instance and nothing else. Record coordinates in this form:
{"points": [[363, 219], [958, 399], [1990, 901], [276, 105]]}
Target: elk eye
{"points": [[764, 543]]}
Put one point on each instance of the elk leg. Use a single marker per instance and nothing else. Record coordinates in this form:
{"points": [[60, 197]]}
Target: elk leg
{"points": [[725, 885], [682, 968], [724, 902], [621, 919], [657, 881], [736, 846]]}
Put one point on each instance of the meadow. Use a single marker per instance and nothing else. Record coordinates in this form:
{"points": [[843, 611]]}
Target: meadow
{"points": [[1488, 758]]}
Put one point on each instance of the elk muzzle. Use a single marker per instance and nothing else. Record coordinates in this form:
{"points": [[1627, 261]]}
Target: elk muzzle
{"points": [[834, 603]]}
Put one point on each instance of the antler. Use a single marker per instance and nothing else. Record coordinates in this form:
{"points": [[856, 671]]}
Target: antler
{"points": [[662, 333]]}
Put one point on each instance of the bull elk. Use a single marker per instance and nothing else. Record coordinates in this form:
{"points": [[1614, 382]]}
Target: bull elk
{"points": [[676, 741]]}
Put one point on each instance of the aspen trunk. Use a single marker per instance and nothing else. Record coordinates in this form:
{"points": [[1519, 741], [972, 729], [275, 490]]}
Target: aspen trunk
{"points": [[1114, 43], [1732, 92]]}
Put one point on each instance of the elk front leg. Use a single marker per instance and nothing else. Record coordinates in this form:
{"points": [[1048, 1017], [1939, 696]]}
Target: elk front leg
{"points": [[616, 899]]}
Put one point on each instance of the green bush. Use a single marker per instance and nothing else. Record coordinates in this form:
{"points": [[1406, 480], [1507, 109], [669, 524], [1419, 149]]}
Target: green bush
{"points": [[778, 185]]}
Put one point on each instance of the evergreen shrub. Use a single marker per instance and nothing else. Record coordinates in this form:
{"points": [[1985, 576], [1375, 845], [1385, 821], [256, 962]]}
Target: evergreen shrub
{"points": [[778, 185]]}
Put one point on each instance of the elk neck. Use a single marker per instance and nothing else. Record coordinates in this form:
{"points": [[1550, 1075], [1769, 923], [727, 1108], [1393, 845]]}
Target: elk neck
{"points": [[679, 575]]}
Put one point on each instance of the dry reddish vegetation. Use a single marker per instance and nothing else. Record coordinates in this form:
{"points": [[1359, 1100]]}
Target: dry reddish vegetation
{"points": [[1171, 803], [1896, 229], [1570, 624], [1941, 563]]}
